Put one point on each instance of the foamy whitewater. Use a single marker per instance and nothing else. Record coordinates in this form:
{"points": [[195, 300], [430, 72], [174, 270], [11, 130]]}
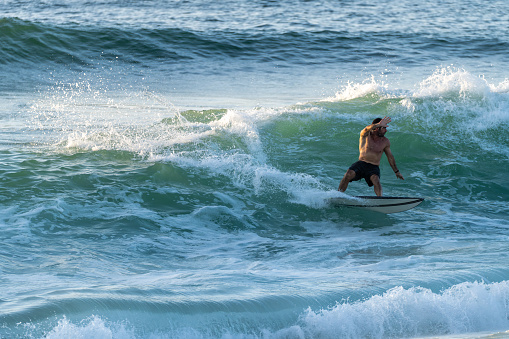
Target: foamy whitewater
{"points": [[165, 169]]}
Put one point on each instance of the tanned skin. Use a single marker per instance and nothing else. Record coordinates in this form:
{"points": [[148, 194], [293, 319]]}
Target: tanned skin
{"points": [[372, 144]]}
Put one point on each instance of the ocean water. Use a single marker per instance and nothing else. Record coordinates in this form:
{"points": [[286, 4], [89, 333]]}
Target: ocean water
{"points": [[165, 168]]}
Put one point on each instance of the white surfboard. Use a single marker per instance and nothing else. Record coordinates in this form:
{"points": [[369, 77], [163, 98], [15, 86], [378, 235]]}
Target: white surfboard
{"points": [[379, 204]]}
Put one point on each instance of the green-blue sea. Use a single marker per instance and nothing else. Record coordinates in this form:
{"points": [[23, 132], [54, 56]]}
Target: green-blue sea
{"points": [[165, 168]]}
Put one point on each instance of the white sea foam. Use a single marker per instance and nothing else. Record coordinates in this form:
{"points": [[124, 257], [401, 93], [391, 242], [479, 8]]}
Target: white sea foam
{"points": [[354, 90], [451, 80], [400, 312], [92, 328]]}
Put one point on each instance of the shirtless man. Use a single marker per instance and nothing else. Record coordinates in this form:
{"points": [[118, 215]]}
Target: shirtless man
{"points": [[372, 144]]}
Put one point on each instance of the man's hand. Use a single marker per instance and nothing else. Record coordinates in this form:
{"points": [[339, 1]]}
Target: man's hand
{"points": [[384, 121], [399, 176]]}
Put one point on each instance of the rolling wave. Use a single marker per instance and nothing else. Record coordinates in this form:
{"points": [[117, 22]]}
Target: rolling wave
{"points": [[33, 42], [474, 310]]}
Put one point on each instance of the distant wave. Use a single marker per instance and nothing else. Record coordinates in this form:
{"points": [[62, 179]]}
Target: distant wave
{"points": [[32, 42]]}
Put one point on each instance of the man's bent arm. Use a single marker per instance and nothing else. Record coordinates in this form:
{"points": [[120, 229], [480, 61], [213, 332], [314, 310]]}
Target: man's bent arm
{"points": [[369, 129], [372, 127]]}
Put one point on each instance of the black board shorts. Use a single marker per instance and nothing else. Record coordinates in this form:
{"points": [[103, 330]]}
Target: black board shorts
{"points": [[364, 170]]}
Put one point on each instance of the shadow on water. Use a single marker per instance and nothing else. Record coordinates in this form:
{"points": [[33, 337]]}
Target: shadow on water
{"points": [[335, 217], [361, 218]]}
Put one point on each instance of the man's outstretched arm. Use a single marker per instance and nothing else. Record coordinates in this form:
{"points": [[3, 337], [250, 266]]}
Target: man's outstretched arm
{"points": [[392, 162]]}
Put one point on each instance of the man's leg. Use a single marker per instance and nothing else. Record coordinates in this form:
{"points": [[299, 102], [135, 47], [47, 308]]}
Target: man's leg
{"points": [[375, 179], [349, 175]]}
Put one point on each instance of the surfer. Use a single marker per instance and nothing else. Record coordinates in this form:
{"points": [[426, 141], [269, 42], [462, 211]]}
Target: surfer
{"points": [[372, 144]]}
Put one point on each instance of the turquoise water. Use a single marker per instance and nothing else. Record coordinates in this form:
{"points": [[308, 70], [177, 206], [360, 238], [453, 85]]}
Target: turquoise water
{"points": [[166, 168]]}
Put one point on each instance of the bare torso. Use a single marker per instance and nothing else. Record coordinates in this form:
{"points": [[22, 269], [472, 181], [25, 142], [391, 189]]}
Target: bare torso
{"points": [[371, 147]]}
